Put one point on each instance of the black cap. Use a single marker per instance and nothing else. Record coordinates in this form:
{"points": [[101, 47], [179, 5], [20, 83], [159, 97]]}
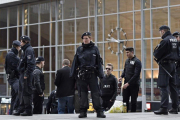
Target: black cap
{"points": [[39, 59], [85, 34], [17, 43], [26, 38], [164, 27], [129, 49], [176, 33]]}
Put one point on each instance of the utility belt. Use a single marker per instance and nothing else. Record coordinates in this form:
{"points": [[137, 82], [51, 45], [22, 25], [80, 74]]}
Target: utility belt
{"points": [[178, 64], [168, 61], [86, 72], [12, 75]]}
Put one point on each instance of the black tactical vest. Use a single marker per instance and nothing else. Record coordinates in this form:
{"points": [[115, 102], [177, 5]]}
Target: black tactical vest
{"points": [[130, 69]]}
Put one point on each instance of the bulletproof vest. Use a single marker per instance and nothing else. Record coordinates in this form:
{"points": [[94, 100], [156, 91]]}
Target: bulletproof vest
{"points": [[130, 69], [173, 53], [87, 56], [107, 85]]}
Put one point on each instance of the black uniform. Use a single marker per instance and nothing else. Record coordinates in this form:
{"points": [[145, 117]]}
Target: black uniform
{"points": [[109, 91], [87, 59], [131, 73], [26, 68], [178, 74], [52, 103], [166, 55], [178, 68], [11, 64], [38, 88]]}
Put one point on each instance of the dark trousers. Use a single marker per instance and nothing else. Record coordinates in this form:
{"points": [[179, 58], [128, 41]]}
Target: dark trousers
{"points": [[95, 94], [133, 92], [14, 83], [38, 103], [25, 94], [107, 104], [178, 83], [76, 102], [178, 89], [168, 84]]}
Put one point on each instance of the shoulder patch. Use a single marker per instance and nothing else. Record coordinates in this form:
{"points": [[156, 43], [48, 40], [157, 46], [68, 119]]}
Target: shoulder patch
{"points": [[36, 71], [29, 57]]}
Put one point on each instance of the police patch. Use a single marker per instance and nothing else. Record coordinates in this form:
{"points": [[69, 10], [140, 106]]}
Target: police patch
{"points": [[132, 62], [29, 57]]}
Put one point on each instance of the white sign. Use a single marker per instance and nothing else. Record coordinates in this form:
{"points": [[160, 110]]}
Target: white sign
{"points": [[7, 1], [5, 100]]}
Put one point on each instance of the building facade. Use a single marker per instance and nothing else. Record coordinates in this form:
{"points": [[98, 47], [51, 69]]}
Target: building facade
{"points": [[56, 26]]}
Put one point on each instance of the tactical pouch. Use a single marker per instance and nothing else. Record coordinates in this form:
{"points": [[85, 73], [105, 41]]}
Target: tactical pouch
{"points": [[12, 75], [85, 74]]}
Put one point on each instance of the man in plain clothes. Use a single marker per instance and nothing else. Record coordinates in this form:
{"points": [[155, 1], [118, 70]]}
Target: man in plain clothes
{"points": [[65, 88]]}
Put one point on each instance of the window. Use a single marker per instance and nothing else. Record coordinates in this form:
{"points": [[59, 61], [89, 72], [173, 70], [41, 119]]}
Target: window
{"points": [[77, 12], [177, 24], [91, 10], [71, 26], [72, 12], [92, 26], [155, 25], [77, 26]]}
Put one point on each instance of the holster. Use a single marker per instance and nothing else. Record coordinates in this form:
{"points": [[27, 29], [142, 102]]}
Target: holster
{"points": [[86, 72], [12, 75]]}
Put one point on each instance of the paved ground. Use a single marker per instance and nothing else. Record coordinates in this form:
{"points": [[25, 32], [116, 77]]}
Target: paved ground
{"points": [[92, 116]]}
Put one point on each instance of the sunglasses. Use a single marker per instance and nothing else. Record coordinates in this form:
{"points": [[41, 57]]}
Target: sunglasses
{"points": [[108, 69]]}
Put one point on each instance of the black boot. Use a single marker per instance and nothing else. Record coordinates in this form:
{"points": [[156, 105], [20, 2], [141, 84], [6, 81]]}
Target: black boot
{"points": [[173, 111], [101, 114], [82, 115], [161, 111], [26, 114], [16, 112]]}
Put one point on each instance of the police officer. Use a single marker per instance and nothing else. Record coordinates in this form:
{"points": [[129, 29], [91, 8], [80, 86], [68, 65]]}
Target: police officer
{"points": [[52, 103], [131, 73], [87, 60], [38, 86], [166, 55], [26, 68], [11, 64], [109, 88], [177, 35]]}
